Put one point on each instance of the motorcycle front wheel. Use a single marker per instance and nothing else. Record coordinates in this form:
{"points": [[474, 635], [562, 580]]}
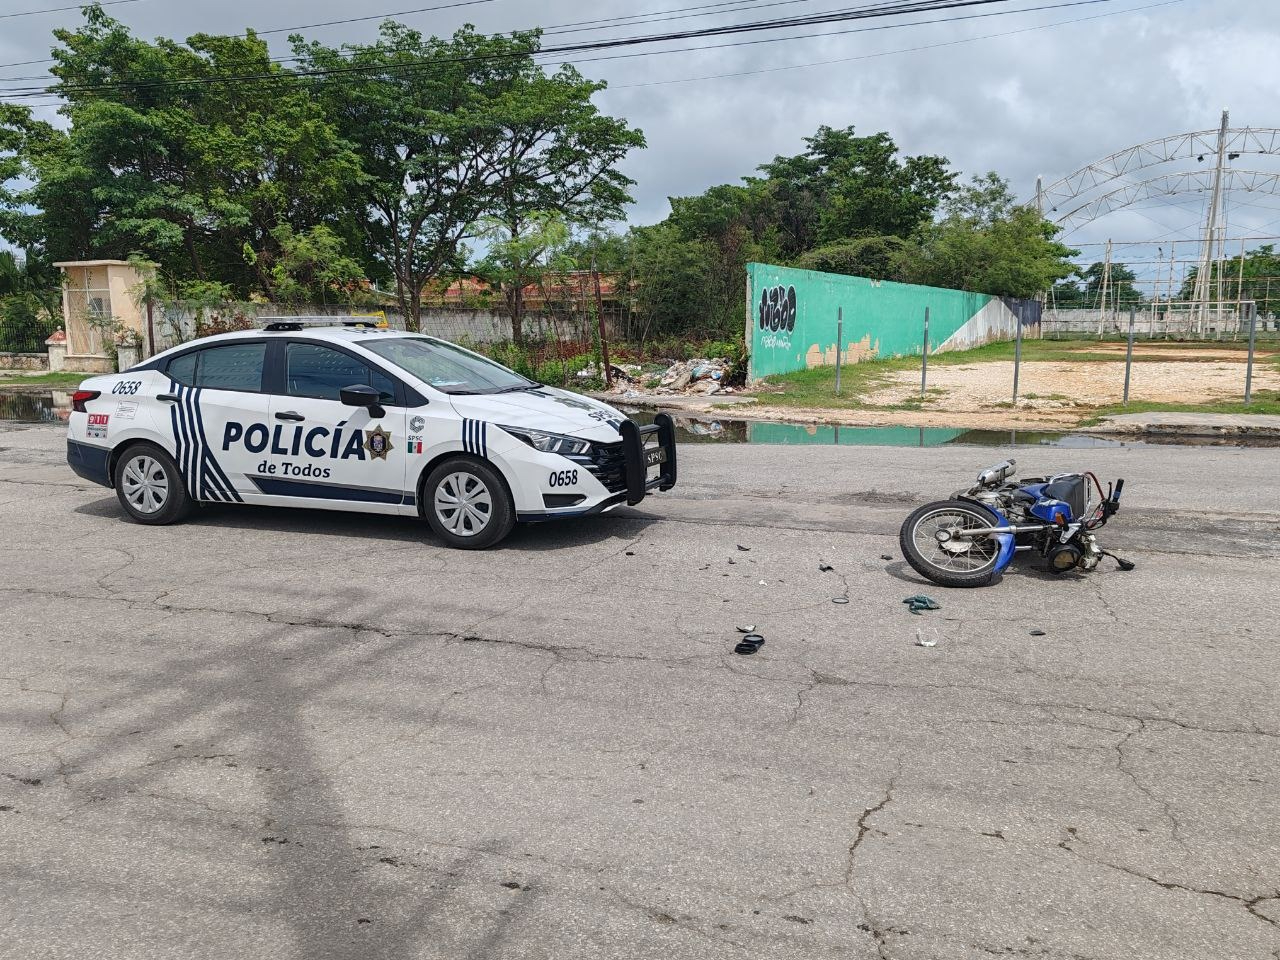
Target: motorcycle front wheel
{"points": [[930, 544]]}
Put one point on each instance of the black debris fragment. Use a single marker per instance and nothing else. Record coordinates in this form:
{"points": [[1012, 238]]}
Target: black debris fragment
{"points": [[744, 549], [886, 556], [1037, 633], [750, 629], [839, 599], [749, 644], [825, 568]]}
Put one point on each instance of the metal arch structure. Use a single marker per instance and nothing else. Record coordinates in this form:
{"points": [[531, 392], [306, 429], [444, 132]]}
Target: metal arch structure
{"points": [[1201, 145], [1193, 181]]}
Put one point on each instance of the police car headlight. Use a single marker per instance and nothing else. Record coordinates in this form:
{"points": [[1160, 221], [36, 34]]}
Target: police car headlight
{"points": [[550, 442]]}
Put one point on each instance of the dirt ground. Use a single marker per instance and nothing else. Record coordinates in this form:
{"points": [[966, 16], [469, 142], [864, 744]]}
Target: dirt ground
{"points": [[1179, 350], [1071, 386]]}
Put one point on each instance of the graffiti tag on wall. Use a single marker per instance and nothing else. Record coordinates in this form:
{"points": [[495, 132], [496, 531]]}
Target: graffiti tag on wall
{"points": [[778, 315]]}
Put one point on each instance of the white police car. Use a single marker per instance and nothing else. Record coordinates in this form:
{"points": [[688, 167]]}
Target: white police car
{"points": [[358, 418]]}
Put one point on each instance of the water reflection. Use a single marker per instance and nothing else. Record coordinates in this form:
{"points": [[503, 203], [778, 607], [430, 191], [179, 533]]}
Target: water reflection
{"points": [[718, 430], [48, 407]]}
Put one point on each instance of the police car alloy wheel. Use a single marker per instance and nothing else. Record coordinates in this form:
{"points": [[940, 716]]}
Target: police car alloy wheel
{"points": [[467, 505], [149, 485]]}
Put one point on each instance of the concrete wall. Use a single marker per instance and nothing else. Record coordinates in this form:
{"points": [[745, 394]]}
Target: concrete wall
{"points": [[24, 361], [793, 315], [177, 325]]}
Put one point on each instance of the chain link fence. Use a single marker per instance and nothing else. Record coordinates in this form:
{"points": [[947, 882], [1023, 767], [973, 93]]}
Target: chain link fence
{"points": [[1164, 321]]}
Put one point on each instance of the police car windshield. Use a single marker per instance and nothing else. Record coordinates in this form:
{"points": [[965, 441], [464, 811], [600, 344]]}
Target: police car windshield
{"points": [[448, 368]]}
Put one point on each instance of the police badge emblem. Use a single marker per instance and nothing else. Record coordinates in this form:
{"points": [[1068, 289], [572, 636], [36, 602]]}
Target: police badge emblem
{"points": [[378, 442]]}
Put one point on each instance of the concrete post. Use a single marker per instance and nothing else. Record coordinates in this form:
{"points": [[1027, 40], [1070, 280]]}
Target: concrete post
{"points": [[57, 346]]}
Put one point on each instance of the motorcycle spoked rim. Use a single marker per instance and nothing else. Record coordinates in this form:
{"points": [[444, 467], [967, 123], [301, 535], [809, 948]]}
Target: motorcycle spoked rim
{"points": [[929, 549]]}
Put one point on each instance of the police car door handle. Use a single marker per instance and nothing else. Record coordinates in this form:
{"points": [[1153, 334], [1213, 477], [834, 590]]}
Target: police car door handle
{"points": [[167, 397], [290, 415]]}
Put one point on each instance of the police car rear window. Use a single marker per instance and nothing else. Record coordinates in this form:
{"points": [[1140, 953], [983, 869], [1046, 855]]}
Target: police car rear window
{"points": [[233, 366]]}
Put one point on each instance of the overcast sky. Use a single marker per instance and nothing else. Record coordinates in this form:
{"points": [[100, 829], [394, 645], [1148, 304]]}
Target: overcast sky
{"points": [[1038, 101]]}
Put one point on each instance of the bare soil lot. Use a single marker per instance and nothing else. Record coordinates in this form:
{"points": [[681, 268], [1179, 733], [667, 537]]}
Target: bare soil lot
{"points": [[1063, 385]]}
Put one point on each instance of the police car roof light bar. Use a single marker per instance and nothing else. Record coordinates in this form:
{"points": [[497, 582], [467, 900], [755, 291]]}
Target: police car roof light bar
{"points": [[298, 323]]}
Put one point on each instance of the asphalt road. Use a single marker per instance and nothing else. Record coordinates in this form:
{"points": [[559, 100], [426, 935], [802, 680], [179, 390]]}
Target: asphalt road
{"points": [[282, 734]]}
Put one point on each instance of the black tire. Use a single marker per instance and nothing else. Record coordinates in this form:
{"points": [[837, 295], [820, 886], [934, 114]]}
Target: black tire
{"points": [[491, 514], [146, 477], [980, 556]]}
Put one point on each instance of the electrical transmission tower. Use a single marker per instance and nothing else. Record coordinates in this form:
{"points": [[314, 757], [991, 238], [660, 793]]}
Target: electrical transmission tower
{"points": [[1204, 272]]}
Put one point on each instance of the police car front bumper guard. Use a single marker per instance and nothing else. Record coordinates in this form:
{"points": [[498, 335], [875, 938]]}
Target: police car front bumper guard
{"points": [[645, 447]]}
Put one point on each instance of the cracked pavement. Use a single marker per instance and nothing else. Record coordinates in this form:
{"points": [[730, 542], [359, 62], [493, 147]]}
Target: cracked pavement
{"points": [[291, 734]]}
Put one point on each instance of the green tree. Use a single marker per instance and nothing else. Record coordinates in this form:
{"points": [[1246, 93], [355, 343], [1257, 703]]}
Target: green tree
{"points": [[845, 186], [308, 266], [515, 261], [733, 226], [1120, 285], [1260, 281], [454, 130], [880, 258], [674, 283], [988, 244], [163, 160], [29, 301]]}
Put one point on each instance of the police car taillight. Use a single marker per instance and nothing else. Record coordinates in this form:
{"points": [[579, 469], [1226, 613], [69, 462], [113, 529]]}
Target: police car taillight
{"points": [[81, 397]]}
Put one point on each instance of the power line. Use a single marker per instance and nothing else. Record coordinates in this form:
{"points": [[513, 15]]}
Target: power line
{"points": [[653, 16], [887, 53], [658, 16], [876, 11], [78, 6], [305, 26]]}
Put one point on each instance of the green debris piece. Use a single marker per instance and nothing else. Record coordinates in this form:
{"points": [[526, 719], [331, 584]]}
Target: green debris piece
{"points": [[920, 603]]}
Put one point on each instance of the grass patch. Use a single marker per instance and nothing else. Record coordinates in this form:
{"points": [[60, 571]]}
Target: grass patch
{"points": [[45, 379], [1264, 402]]}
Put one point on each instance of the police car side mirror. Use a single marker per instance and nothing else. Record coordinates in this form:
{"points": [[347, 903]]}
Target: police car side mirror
{"points": [[363, 395]]}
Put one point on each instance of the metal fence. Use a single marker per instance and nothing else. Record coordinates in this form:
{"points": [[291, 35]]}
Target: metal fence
{"points": [[24, 330], [1162, 321]]}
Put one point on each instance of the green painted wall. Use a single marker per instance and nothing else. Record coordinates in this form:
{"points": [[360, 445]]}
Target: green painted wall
{"points": [[881, 319]]}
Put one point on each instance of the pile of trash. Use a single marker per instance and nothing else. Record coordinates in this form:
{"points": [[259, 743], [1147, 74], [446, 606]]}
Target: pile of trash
{"points": [[625, 376], [702, 375]]}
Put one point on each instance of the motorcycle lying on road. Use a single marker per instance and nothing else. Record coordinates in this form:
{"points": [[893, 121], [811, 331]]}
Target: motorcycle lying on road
{"points": [[969, 540]]}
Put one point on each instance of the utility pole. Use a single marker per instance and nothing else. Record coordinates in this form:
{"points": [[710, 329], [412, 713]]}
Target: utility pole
{"points": [[1042, 297], [1106, 287], [1239, 295], [1204, 271], [604, 339]]}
